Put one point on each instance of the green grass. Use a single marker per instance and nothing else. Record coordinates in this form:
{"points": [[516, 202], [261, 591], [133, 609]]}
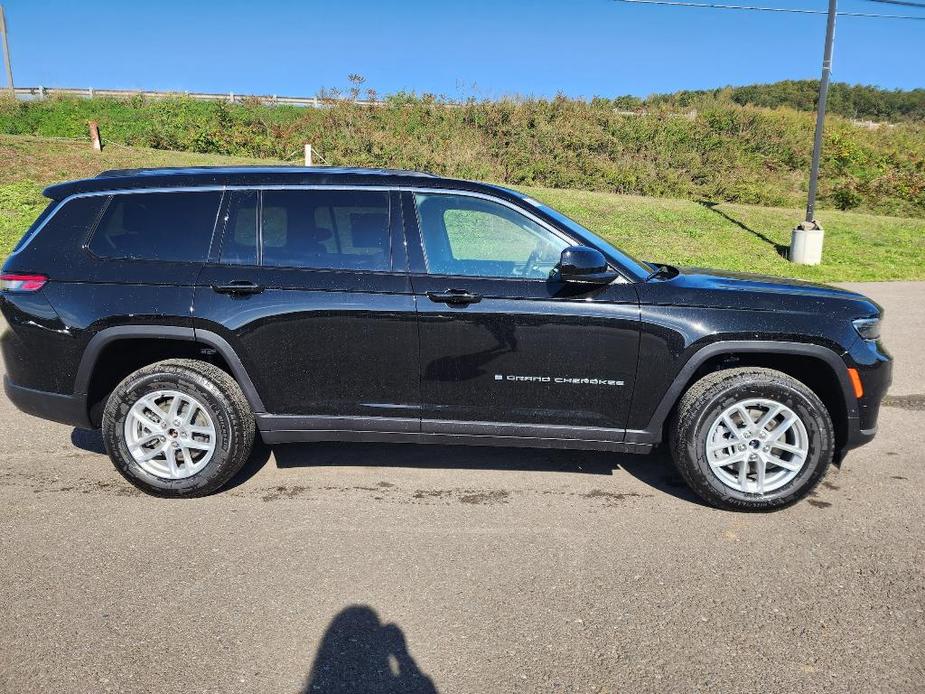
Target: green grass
{"points": [[729, 236], [28, 164], [746, 238]]}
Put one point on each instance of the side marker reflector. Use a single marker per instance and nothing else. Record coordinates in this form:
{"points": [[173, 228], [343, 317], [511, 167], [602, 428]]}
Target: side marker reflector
{"points": [[856, 382]]}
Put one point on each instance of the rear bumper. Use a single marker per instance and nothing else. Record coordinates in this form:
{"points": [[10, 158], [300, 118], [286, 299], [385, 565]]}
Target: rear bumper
{"points": [[66, 409]]}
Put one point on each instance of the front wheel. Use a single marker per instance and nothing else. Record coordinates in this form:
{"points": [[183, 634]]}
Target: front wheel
{"points": [[751, 439], [178, 428]]}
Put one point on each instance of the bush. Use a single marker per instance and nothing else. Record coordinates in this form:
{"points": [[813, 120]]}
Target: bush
{"points": [[845, 197]]}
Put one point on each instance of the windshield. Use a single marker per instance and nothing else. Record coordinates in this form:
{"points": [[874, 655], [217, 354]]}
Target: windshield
{"points": [[638, 268]]}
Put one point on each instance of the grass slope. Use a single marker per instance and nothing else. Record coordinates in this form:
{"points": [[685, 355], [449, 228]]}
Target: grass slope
{"points": [[729, 236], [28, 164], [747, 238]]}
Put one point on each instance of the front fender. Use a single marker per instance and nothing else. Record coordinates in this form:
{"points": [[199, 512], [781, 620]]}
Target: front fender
{"points": [[651, 432]]}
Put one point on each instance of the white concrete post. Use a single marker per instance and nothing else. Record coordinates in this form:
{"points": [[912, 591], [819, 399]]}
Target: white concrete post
{"points": [[806, 244], [308, 155]]}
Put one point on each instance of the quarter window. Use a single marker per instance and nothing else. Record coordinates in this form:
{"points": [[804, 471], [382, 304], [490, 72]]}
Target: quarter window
{"points": [[157, 226], [474, 237], [325, 229]]}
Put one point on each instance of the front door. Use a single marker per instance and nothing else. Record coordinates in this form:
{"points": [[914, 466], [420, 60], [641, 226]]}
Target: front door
{"points": [[310, 289], [506, 349]]}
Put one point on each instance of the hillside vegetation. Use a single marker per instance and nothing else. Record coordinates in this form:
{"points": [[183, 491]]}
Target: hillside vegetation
{"points": [[716, 151], [858, 101], [731, 236]]}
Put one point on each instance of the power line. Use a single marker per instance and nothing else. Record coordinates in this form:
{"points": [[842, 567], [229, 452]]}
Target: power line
{"points": [[900, 2], [713, 6]]}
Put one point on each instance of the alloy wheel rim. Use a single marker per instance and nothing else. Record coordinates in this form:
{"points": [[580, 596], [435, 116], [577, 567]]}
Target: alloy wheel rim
{"points": [[170, 434], [757, 446]]}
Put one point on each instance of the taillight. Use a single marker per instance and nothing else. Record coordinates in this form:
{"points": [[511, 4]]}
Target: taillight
{"points": [[22, 283]]}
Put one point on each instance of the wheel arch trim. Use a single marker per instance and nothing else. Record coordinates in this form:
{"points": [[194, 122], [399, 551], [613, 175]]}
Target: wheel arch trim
{"points": [[653, 431], [88, 361]]}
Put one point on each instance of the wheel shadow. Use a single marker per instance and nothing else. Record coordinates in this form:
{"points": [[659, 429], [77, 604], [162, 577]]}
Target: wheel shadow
{"points": [[92, 442], [655, 469]]}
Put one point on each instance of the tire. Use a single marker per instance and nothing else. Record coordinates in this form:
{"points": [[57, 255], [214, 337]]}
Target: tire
{"points": [[206, 451], [699, 422]]}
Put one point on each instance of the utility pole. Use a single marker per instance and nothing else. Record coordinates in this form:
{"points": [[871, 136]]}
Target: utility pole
{"points": [[807, 238], [6, 53]]}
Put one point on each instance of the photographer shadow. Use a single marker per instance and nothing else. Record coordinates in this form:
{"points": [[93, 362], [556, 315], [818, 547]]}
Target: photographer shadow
{"points": [[358, 653]]}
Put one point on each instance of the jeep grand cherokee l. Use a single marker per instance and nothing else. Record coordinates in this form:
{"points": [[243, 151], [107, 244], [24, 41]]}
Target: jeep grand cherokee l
{"points": [[184, 310]]}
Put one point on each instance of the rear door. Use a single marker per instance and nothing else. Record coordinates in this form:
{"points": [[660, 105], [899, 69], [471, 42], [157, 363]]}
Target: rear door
{"points": [[311, 290], [506, 349]]}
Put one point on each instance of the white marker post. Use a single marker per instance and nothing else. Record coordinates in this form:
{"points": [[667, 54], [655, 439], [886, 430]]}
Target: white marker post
{"points": [[95, 136]]}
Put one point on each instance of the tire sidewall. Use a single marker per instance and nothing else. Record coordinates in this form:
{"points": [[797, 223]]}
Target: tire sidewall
{"points": [[818, 429], [207, 394]]}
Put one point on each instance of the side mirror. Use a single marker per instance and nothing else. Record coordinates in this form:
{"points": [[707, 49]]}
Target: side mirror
{"points": [[584, 265]]}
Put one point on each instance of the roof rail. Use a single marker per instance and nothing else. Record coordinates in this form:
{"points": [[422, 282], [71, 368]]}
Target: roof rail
{"points": [[179, 170]]}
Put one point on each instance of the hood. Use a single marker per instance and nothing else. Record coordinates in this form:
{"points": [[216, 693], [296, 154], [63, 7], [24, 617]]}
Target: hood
{"points": [[742, 290]]}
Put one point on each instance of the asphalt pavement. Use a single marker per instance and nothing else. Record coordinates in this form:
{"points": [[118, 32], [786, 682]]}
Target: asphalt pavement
{"points": [[453, 569]]}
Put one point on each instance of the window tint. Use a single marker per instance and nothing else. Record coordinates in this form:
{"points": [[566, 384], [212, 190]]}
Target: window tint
{"points": [[69, 225], [32, 227], [474, 237], [157, 226], [326, 229], [239, 245]]}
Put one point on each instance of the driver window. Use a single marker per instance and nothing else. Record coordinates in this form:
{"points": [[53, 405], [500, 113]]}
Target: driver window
{"points": [[473, 237]]}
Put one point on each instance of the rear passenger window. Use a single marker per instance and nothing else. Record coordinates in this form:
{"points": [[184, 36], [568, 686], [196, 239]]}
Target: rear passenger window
{"points": [[157, 226], [326, 229]]}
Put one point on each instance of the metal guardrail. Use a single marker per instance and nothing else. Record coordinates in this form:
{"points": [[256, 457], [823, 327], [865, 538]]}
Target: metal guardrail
{"points": [[28, 93]]}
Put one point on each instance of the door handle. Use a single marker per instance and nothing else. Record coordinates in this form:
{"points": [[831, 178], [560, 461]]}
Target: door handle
{"points": [[458, 297], [237, 287]]}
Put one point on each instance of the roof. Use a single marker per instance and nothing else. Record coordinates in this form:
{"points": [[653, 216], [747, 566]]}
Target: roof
{"points": [[121, 179]]}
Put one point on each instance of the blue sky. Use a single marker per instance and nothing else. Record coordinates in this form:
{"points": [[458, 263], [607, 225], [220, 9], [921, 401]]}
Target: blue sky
{"points": [[482, 48]]}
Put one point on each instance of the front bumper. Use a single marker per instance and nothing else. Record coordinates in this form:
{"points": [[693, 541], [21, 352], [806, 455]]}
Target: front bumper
{"points": [[66, 409], [875, 368], [858, 436]]}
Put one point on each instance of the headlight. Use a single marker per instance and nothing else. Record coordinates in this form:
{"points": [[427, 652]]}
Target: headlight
{"points": [[868, 328]]}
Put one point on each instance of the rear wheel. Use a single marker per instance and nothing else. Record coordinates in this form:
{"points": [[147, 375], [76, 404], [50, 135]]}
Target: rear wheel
{"points": [[178, 428], [751, 439]]}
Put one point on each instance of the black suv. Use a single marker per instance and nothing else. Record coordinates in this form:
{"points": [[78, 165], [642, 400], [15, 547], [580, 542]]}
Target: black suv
{"points": [[183, 310]]}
